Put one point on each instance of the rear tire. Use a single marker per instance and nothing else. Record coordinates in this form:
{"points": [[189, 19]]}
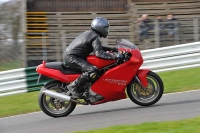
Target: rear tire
{"points": [[51, 106], [148, 96]]}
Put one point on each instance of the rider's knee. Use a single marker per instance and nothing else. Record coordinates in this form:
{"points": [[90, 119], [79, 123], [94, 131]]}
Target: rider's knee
{"points": [[93, 77], [93, 74]]}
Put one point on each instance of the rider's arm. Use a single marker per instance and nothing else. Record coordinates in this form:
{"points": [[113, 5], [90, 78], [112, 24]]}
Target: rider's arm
{"points": [[106, 48], [98, 50], [109, 49]]}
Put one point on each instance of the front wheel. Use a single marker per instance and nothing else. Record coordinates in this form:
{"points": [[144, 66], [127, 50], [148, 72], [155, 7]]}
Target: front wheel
{"points": [[149, 95], [52, 106]]}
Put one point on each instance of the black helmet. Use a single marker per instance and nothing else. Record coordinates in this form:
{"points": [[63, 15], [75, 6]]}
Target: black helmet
{"points": [[100, 25]]}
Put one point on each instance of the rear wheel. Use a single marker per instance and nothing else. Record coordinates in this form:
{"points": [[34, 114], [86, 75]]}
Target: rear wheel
{"points": [[149, 95], [52, 106]]}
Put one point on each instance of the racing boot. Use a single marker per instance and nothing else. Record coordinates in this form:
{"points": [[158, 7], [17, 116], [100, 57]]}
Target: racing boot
{"points": [[75, 86]]}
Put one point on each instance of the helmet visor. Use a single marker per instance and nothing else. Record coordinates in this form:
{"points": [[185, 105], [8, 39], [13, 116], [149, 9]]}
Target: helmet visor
{"points": [[107, 29]]}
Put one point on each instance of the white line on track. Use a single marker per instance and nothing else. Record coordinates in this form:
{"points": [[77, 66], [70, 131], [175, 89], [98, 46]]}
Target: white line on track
{"points": [[181, 92], [83, 105]]}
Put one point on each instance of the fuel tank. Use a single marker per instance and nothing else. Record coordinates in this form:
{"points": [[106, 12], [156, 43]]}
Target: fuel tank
{"points": [[98, 62]]}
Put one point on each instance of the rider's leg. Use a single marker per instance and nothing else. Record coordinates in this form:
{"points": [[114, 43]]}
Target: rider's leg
{"points": [[90, 74], [75, 86]]}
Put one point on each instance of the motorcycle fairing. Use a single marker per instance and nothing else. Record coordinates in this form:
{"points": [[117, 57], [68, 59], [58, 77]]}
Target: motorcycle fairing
{"points": [[111, 85]]}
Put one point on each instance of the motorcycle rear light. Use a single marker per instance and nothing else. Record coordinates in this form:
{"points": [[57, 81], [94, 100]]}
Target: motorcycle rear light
{"points": [[44, 63]]}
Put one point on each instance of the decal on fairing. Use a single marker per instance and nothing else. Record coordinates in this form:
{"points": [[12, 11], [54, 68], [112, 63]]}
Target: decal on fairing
{"points": [[116, 81]]}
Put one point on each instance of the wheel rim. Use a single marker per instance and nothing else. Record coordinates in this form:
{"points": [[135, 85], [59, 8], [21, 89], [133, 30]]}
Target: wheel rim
{"points": [[54, 105], [147, 95]]}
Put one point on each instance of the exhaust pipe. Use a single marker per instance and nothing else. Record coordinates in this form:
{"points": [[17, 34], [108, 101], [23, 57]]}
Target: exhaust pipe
{"points": [[57, 95], [62, 97]]}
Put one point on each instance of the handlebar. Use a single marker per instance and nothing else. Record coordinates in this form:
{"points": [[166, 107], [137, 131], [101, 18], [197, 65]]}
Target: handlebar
{"points": [[126, 56]]}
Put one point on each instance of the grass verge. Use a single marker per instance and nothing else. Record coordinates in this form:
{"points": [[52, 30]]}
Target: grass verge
{"points": [[181, 80], [19, 104], [174, 81], [181, 126]]}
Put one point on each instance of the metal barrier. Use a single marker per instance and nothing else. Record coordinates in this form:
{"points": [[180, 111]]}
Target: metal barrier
{"points": [[19, 81], [158, 60], [172, 58]]}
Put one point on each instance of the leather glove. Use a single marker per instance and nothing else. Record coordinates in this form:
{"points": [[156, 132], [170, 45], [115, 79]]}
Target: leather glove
{"points": [[119, 57]]}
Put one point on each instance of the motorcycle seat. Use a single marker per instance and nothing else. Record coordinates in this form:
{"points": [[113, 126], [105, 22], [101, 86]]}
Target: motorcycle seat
{"points": [[61, 67]]}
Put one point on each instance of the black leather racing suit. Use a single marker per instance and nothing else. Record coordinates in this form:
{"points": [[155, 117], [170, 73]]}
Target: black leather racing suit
{"points": [[76, 53]]}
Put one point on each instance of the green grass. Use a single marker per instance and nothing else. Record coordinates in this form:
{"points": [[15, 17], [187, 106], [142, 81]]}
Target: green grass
{"points": [[174, 81], [181, 80], [10, 65], [19, 104], [181, 126]]}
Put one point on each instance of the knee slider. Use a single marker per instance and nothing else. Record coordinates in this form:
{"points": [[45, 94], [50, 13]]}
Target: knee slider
{"points": [[93, 76]]}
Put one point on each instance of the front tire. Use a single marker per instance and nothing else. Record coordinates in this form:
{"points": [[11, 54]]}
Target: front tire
{"points": [[149, 95], [52, 106]]}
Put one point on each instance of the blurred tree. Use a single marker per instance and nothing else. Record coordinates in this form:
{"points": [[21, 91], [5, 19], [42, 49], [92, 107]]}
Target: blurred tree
{"points": [[10, 28]]}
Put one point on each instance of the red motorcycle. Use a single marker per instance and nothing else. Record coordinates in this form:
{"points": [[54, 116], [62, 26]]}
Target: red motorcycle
{"points": [[119, 78]]}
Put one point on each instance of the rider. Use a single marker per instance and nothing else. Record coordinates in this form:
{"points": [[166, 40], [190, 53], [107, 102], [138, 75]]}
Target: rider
{"points": [[76, 53]]}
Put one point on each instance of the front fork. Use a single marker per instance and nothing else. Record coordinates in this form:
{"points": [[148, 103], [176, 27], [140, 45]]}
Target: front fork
{"points": [[141, 77]]}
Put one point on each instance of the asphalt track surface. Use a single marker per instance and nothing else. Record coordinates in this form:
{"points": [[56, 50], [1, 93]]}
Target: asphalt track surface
{"points": [[171, 107]]}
